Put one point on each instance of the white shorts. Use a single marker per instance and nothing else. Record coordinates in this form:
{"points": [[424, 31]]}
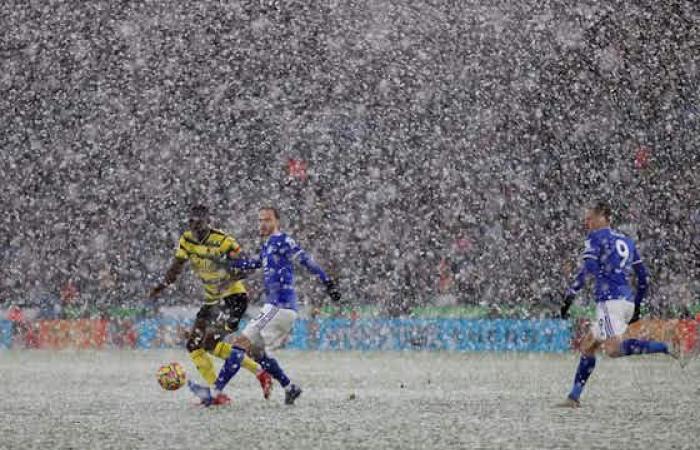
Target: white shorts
{"points": [[271, 328], [612, 317]]}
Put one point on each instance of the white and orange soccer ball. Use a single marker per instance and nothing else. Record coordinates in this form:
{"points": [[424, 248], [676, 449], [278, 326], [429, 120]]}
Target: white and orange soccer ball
{"points": [[171, 376]]}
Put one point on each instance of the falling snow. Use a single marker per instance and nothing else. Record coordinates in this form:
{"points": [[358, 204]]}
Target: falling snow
{"points": [[419, 124], [427, 153]]}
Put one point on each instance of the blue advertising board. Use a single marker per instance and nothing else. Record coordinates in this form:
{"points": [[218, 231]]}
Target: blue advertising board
{"points": [[5, 333], [396, 334]]}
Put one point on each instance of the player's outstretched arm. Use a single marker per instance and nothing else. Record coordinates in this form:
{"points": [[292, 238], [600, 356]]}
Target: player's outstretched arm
{"points": [[171, 275], [590, 265], [239, 261], [309, 264]]}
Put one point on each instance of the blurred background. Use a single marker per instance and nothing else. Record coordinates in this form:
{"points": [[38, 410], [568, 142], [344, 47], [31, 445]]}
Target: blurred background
{"points": [[434, 156]]}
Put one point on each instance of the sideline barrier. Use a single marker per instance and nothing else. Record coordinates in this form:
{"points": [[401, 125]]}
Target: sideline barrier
{"points": [[54, 334], [395, 334], [688, 332], [82, 333], [162, 333], [435, 334], [5, 334], [464, 335]]}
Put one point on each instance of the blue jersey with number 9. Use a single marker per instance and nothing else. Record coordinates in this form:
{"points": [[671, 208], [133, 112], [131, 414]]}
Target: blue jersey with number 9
{"points": [[609, 256]]}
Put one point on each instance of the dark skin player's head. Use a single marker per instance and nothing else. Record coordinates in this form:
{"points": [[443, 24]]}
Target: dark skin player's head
{"points": [[199, 221]]}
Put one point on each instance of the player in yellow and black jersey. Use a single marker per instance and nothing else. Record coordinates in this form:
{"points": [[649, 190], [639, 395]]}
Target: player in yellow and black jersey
{"points": [[225, 297]]}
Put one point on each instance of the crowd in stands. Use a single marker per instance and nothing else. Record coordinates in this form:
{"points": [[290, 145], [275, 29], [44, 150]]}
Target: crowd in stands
{"points": [[424, 152]]}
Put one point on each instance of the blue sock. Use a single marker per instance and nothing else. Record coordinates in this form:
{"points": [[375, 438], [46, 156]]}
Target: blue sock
{"points": [[273, 368], [229, 369], [639, 347], [585, 369]]}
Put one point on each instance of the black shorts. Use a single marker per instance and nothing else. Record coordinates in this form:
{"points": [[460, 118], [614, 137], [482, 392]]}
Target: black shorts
{"points": [[224, 316]]}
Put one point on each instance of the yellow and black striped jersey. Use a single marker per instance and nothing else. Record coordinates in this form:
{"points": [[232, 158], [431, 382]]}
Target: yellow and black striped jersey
{"points": [[208, 259]]}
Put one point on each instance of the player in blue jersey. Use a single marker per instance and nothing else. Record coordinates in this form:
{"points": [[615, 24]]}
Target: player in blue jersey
{"points": [[610, 257], [271, 328]]}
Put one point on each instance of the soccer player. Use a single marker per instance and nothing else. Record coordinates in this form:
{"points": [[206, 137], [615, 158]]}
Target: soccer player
{"points": [[270, 329], [225, 297], [610, 257]]}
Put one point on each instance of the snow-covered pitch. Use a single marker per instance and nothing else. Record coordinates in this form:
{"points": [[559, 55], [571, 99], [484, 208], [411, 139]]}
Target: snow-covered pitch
{"points": [[111, 399]]}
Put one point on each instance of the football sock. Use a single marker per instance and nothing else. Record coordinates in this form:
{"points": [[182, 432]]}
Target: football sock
{"points": [[229, 369], [250, 365], [639, 347], [273, 368], [204, 365], [585, 368], [222, 350]]}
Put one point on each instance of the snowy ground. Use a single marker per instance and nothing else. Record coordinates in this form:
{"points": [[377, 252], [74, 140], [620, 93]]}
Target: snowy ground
{"points": [[402, 400]]}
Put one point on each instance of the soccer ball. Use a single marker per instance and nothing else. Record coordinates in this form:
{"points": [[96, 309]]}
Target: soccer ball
{"points": [[171, 376]]}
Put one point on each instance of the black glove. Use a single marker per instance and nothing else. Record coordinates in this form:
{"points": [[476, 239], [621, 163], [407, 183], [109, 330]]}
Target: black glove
{"points": [[635, 316], [568, 300], [332, 290]]}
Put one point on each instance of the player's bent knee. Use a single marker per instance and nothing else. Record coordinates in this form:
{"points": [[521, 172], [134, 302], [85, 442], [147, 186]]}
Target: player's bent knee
{"points": [[242, 342], [193, 344], [194, 339], [210, 342], [257, 352], [612, 348], [589, 345]]}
